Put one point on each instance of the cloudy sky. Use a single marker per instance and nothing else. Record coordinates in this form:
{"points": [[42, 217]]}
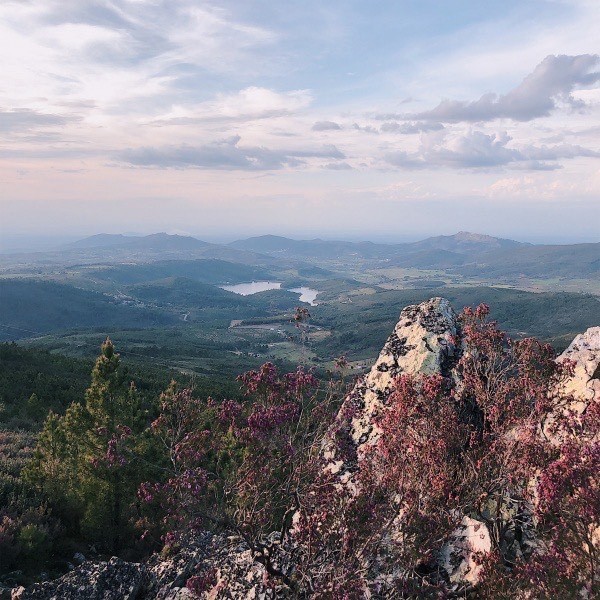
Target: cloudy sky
{"points": [[377, 120]]}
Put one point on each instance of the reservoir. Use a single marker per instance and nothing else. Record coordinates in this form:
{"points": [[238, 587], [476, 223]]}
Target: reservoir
{"points": [[307, 294]]}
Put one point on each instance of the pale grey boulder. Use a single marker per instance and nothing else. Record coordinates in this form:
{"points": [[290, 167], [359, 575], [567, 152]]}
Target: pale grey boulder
{"points": [[424, 341]]}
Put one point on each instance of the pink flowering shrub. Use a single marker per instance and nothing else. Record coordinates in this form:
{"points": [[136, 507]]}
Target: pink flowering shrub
{"points": [[448, 449], [471, 445], [236, 465]]}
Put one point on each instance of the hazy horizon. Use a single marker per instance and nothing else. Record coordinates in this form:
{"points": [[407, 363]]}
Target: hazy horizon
{"points": [[394, 120], [24, 243]]}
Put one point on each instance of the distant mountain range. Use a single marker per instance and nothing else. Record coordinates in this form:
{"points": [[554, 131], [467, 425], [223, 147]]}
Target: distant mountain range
{"points": [[447, 250], [441, 251], [111, 248], [460, 243], [465, 254], [469, 254]]}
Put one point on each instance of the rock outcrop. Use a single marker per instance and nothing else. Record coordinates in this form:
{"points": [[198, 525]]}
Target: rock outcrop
{"points": [[423, 341], [112, 580], [584, 353], [583, 386], [223, 564]]}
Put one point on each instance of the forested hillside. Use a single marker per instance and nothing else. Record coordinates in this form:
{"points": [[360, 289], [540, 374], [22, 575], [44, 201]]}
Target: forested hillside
{"points": [[31, 307]]}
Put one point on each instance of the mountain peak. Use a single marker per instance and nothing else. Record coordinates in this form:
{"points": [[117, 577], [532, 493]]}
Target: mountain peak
{"points": [[467, 236], [465, 242], [153, 241]]}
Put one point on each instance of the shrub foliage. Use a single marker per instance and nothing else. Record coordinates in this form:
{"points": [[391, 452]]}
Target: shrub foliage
{"points": [[498, 443]]}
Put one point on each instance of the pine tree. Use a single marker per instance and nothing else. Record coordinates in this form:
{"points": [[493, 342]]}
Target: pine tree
{"points": [[89, 456], [49, 458], [34, 408]]}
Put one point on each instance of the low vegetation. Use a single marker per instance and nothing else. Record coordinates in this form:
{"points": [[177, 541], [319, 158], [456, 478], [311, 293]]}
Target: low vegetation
{"points": [[131, 476]]}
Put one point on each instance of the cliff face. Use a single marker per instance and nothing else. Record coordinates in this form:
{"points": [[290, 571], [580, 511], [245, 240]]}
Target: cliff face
{"points": [[426, 340]]}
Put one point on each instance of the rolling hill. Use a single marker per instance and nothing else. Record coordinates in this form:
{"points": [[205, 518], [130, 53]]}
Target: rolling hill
{"points": [[155, 241], [187, 293], [571, 261], [29, 308], [362, 324], [213, 271], [465, 242]]}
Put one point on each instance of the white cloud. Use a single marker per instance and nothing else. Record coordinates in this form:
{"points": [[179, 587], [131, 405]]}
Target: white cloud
{"points": [[338, 166], [475, 150], [26, 120], [246, 105], [114, 53], [538, 188], [326, 126], [405, 190], [552, 81], [409, 127], [226, 154]]}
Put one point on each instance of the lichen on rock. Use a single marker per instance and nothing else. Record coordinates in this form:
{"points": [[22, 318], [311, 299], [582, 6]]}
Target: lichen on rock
{"points": [[423, 341]]}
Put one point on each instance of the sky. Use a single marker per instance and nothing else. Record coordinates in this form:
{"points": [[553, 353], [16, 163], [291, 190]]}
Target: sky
{"points": [[388, 120]]}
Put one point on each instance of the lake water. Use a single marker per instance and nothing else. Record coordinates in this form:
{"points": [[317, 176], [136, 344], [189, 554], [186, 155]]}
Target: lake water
{"points": [[307, 294], [245, 289]]}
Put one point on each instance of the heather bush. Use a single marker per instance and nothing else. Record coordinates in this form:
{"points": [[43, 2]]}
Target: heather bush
{"points": [[496, 440], [28, 529], [240, 466], [471, 445]]}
